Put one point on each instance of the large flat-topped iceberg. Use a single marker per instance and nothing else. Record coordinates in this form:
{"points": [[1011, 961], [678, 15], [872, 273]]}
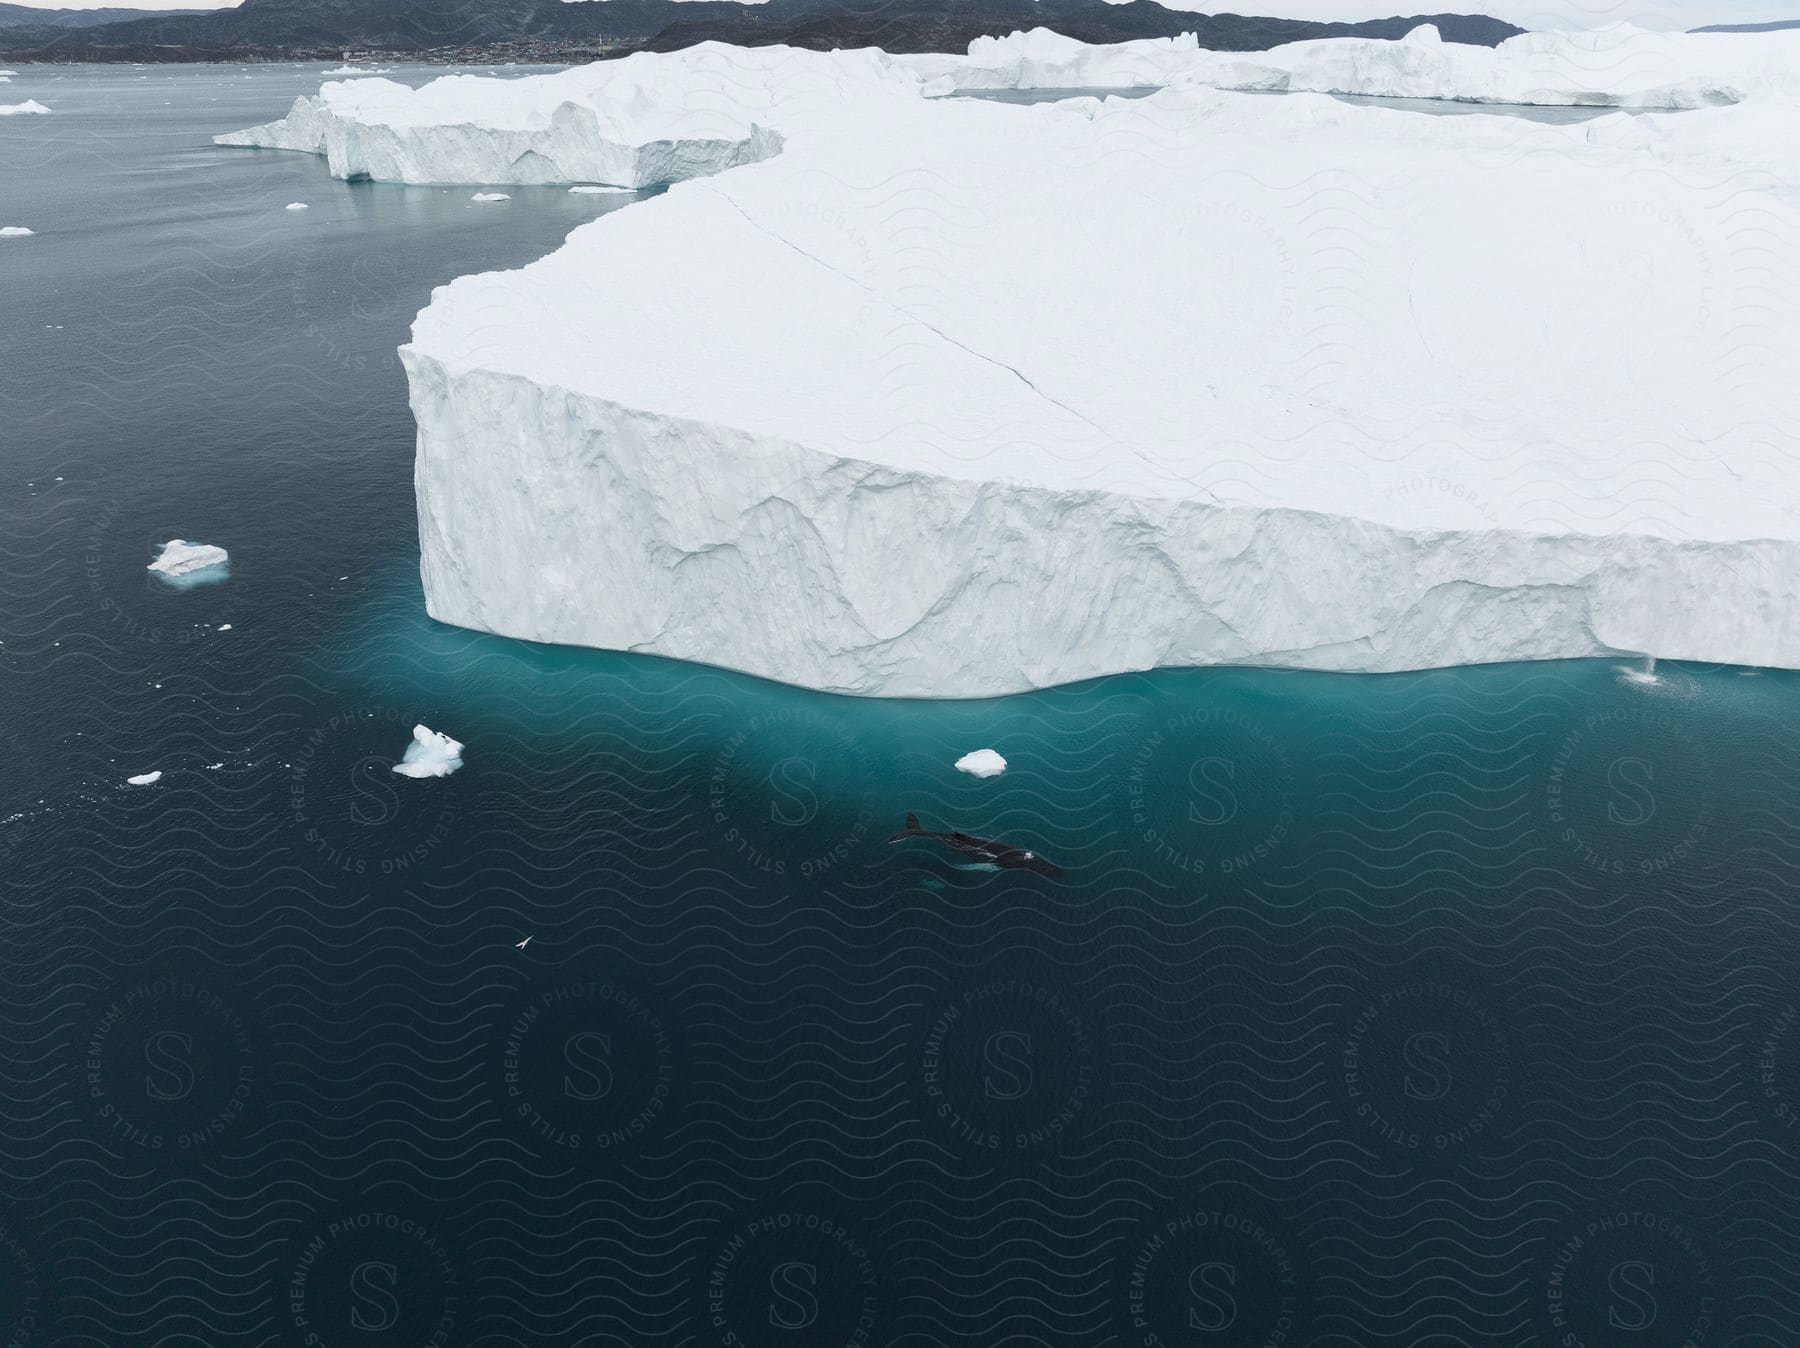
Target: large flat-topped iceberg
{"points": [[636, 122], [954, 398]]}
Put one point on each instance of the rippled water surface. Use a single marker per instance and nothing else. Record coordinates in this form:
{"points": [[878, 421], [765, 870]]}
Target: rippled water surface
{"points": [[1443, 1008]]}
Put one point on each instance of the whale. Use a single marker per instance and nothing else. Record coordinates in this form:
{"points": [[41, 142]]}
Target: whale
{"points": [[983, 851]]}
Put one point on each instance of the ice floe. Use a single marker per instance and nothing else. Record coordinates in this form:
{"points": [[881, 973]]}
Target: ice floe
{"points": [[981, 763], [430, 755], [180, 558]]}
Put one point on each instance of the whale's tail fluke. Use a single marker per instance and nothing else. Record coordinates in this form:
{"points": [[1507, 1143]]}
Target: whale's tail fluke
{"points": [[912, 829]]}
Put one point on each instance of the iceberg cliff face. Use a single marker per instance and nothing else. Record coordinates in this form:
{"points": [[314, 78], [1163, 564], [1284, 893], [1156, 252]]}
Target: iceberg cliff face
{"points": [[363, 136], [852, 577], [955, 399], [632, 123]]}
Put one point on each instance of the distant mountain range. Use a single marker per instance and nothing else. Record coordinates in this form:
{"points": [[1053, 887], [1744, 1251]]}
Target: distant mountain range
{"points": [[554, 30], [25, 16], [1780, 25]]}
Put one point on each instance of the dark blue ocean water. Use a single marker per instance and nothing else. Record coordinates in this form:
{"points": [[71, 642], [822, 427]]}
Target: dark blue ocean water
{"points": [[1445, 1008]]}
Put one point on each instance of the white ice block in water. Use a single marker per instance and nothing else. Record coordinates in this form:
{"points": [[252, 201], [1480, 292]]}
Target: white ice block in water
{"points": [[636, 122], [989, 397], [430, 755], [296, 206], [180, 558], [490, 196], [981, 763], [29, 106], [13, 231], [145, 779]]}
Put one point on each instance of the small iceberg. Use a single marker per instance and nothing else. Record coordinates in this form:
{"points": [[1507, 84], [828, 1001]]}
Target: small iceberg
{"points": [[589, 190], [490, 196], [296, 206], [181, 560], [30, 105], [981, 763], [13, 231], [430, 755], [144, 779]]}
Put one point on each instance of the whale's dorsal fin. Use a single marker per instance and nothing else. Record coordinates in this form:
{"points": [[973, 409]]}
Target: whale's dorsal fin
{"points": [[912, 830]]}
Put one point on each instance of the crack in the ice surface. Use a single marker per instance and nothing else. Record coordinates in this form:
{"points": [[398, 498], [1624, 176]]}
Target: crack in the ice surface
{"points": [[964, 347]]}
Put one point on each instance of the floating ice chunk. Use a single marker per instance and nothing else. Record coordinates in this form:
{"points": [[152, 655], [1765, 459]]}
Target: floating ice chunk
{"points": [[632, 123], [18, 109], [224, 627], [430, 755], [144, 779], [490, 196], [180, 558], [981, 763], [296, 206], [13, 231], [595, 190]]}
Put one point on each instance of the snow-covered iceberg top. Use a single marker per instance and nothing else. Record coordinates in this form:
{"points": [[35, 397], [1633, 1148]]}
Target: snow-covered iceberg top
{"points": [[430, 754], [28, 107], [180, 558], [985, 398]]}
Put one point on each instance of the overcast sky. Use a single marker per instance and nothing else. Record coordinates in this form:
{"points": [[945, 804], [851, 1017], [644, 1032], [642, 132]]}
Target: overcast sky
{"points": [[1525, 13]]}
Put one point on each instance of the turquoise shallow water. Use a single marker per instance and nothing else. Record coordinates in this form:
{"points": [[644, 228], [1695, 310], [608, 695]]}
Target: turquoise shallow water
{"points": [[1449, 1007]]}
